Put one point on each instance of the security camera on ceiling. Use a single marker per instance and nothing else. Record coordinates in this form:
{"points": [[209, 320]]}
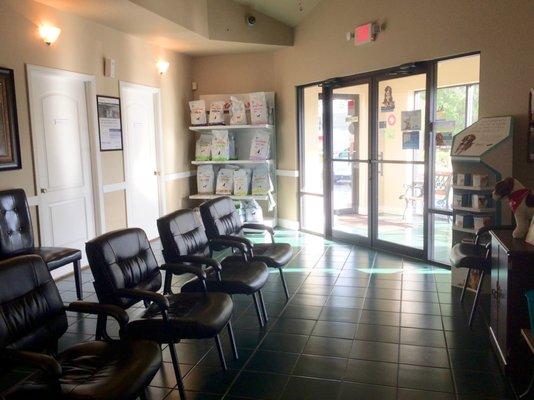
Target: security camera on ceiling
{"points": [[251, 20]]}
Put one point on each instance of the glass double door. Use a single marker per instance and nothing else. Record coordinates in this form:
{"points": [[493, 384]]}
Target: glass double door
{"points": [[375, 151]]}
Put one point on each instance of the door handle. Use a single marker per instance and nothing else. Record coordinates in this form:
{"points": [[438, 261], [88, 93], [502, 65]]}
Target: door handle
{"points": [[156, 173], [43, 190]]}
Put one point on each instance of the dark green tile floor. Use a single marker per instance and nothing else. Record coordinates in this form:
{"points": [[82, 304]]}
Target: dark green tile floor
{"points": [[359, 325]]}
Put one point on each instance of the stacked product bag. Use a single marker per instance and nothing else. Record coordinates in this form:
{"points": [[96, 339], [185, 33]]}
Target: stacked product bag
{"points": [[216, 116], [258, 108], [225, 181], [242, 181], [252, 211], [261, 181], [203, 148], [205, 179], [220, 146], [198, 112], [259, 147], [238, 114]]}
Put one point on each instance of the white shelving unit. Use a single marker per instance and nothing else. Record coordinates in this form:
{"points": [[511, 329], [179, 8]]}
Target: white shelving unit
{"points": [[214, 196], [239, 162], [205, 128], [243, 135], [484, 148]]}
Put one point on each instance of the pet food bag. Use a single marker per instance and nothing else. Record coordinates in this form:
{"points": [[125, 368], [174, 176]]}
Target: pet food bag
{"points": [[198, 112], [261, 182], [216, 116], [203, 148], [241, 181], [225, 181], [220, 146], [253, 211], [205, 177], [259, 147], [258, 108], [238, 115]]}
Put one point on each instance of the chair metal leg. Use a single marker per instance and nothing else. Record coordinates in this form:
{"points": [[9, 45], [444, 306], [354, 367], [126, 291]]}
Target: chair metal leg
{"points": [[475, 302], [232, 340], [168, 283], [284, 283], [528, 389], [262, 303], [258, 312], [221, 353], [465, 285], [176, 366], [78, 279]]}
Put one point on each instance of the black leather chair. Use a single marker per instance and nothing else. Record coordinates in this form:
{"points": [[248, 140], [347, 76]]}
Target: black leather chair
{"points": [[184, 241], [474, 255], [222, 221], [32, 320], [16, 237], [126, 272]]}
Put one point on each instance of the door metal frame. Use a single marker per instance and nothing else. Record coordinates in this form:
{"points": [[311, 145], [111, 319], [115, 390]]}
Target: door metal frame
{"points": [[430, 68]]}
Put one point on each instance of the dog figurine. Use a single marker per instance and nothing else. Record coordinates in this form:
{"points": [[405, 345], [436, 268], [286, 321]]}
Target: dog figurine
{"points": [[520, 200]]}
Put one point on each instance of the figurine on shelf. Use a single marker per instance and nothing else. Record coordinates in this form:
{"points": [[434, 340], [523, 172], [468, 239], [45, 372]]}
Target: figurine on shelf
{"points": [[520, 200]]}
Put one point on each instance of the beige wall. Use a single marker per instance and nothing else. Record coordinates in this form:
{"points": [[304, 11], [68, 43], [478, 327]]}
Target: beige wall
{"points": [[81, 48], [416, 30]]}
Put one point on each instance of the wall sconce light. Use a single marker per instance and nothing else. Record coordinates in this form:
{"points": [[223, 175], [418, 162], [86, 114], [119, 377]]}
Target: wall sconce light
{"points": [[162, 66], [49, 33]]}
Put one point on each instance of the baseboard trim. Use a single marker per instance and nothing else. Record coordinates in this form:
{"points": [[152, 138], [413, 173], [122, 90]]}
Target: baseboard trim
{"points": [[289, 224], [290, 173]]}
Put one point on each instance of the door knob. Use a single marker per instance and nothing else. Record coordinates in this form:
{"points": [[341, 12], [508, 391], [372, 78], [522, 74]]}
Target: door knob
{"points": [[43, 190]]}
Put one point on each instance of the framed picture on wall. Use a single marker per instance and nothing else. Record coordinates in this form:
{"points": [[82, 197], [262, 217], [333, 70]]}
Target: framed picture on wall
{"points": [[531, 126], [9, 130], [109, 123]]}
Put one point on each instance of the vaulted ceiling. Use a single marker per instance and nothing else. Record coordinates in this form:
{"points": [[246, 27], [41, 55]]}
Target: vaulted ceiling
{"points": [[290, 12], [197, 27]]}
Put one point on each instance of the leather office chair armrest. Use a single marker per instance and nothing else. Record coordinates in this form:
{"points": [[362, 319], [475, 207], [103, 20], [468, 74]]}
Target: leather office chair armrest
{"points": [[230, 241], [110, 310], [260, 227], [182, 268], [44, 362], [201, 260], [486, 229], [146, 295]]}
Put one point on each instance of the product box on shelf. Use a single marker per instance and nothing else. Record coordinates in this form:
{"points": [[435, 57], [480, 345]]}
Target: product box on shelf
{"points": [[480, 181], [481, 221], [480, 201]]}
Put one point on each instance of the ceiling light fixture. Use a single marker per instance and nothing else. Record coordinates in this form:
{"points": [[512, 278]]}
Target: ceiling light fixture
{"points": [[49, 33]]}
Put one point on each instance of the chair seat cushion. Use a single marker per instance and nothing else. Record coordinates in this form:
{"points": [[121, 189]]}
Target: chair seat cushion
{"points": [[275, 255], [191, 316], [56, 257], [469, 255], [237, 278], [99, 371]]}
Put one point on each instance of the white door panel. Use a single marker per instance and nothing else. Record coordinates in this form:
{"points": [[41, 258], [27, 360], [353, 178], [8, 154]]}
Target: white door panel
{"points": [[62, 156], [142, 193]]}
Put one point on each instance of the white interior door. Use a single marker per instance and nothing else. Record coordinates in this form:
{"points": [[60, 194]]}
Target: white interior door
{"points": [[62, 156], [139, 121]]}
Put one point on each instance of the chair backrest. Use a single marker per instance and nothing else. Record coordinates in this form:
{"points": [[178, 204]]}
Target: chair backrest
{"points": [[122, 259], [31, 309], [182, 233], [220, 217], [16, 232]]}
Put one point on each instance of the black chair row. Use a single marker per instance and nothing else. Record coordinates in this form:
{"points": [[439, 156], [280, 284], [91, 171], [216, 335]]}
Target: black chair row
{"points": [[126, 272]]}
